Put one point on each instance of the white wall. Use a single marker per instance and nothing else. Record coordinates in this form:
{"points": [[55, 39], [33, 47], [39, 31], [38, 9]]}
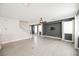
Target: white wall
{"points": [[76, 31], [10, 30]]}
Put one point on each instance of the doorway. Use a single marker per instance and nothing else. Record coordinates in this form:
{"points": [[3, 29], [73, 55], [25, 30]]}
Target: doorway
{"points": [[32, 29], [36, 29], [67, 30]]}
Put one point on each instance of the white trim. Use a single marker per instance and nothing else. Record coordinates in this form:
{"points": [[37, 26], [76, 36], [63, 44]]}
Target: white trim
{"points": [[51, 37], [76, 32], [56, 38], [67, 40], [62, 32], [14, 41]]}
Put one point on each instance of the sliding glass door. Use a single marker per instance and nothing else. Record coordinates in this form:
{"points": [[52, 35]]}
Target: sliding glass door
{"points": [[68, 30]]}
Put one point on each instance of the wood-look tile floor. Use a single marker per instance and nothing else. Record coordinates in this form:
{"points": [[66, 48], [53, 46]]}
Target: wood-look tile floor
{"points": [[39, 46]]}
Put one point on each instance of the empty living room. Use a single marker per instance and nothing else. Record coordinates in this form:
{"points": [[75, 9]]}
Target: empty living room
{"points": [[39, 29]]}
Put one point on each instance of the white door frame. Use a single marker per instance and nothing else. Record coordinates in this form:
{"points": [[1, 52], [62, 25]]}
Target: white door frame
{"points": [[63, 32], [76, 31]]}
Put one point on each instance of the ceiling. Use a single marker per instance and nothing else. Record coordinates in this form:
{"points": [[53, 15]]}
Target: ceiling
{"points": [[33, 11]]}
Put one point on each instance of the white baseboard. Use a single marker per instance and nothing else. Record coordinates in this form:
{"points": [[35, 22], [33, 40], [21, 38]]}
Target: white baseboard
{"points": [[7, 39], [56, 38], [13, 41], [51, 37]]}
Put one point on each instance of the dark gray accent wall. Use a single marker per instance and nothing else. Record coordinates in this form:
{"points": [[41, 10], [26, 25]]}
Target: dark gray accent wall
{"points": [[53, 29]]}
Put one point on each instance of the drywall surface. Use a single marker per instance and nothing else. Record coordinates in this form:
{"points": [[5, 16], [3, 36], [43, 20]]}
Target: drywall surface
{"points": [[10, 30]]}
